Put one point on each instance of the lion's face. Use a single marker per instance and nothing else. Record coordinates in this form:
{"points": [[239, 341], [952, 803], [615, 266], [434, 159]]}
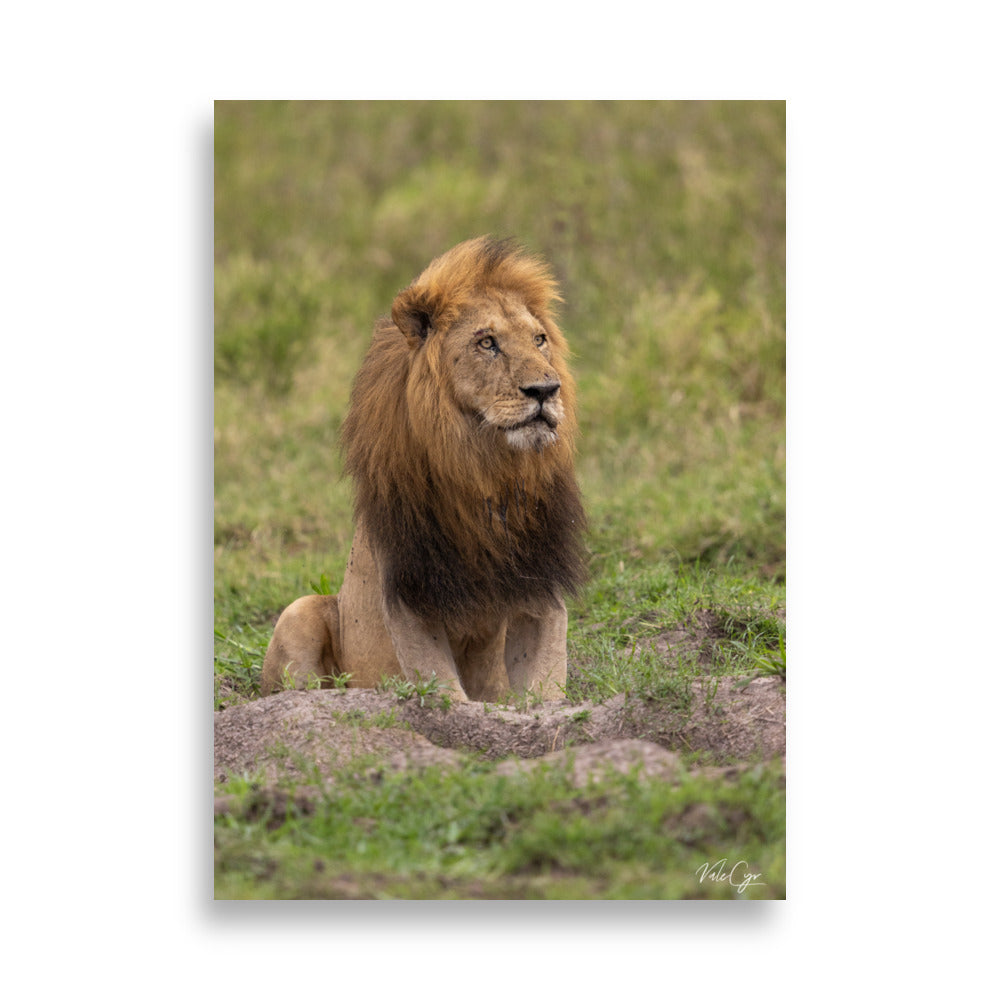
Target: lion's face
{"points": [[505, 370]]}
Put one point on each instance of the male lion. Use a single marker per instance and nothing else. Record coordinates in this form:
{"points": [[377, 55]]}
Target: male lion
{"points": [[460, 440]]}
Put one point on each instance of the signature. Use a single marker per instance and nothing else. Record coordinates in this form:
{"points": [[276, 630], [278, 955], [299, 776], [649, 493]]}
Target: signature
{"points": [[740, 879]]}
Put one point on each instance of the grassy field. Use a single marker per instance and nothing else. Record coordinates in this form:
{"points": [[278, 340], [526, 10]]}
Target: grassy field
{"points": [[471, 833], [665, 226]]}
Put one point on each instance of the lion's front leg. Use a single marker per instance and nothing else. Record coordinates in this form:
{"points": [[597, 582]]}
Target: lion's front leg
{"points": [[422, 648], [481, 665], [536, 653]]}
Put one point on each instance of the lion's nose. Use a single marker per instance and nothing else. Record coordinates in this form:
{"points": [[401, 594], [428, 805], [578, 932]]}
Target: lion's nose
{"points": [[541, 391]]}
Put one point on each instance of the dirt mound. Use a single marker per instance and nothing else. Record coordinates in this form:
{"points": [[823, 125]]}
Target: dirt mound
{"points": [[292, 732]]}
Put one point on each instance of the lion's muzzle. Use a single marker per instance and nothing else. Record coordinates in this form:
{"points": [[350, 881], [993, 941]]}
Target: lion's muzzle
{"points": [[537, 429]]}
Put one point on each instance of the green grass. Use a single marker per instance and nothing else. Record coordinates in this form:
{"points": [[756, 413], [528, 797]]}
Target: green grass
{"points": [[470, 833], [664, 223], [734, 624]]}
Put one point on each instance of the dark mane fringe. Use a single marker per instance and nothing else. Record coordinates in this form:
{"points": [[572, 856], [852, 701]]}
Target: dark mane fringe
{"points": [[535, 554]]}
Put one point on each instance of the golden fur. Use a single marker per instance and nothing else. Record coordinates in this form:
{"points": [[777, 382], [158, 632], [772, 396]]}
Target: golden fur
{"points": [[460, 439]]}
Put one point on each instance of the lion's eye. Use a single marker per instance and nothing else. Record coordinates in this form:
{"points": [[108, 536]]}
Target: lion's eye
{"points": [[487, 343], [539, 339]]}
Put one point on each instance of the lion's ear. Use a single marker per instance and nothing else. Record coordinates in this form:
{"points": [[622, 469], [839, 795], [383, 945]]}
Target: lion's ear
{"points": [[413, 313]]}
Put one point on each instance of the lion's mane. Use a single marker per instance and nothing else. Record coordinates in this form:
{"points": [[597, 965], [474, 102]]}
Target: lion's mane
{"points": [[463, 524]]}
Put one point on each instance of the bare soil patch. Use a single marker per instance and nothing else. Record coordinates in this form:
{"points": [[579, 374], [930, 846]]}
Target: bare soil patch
{"points": [[729, 723]]}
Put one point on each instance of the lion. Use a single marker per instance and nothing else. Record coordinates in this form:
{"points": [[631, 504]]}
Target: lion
{"points": [[460, 439]]}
